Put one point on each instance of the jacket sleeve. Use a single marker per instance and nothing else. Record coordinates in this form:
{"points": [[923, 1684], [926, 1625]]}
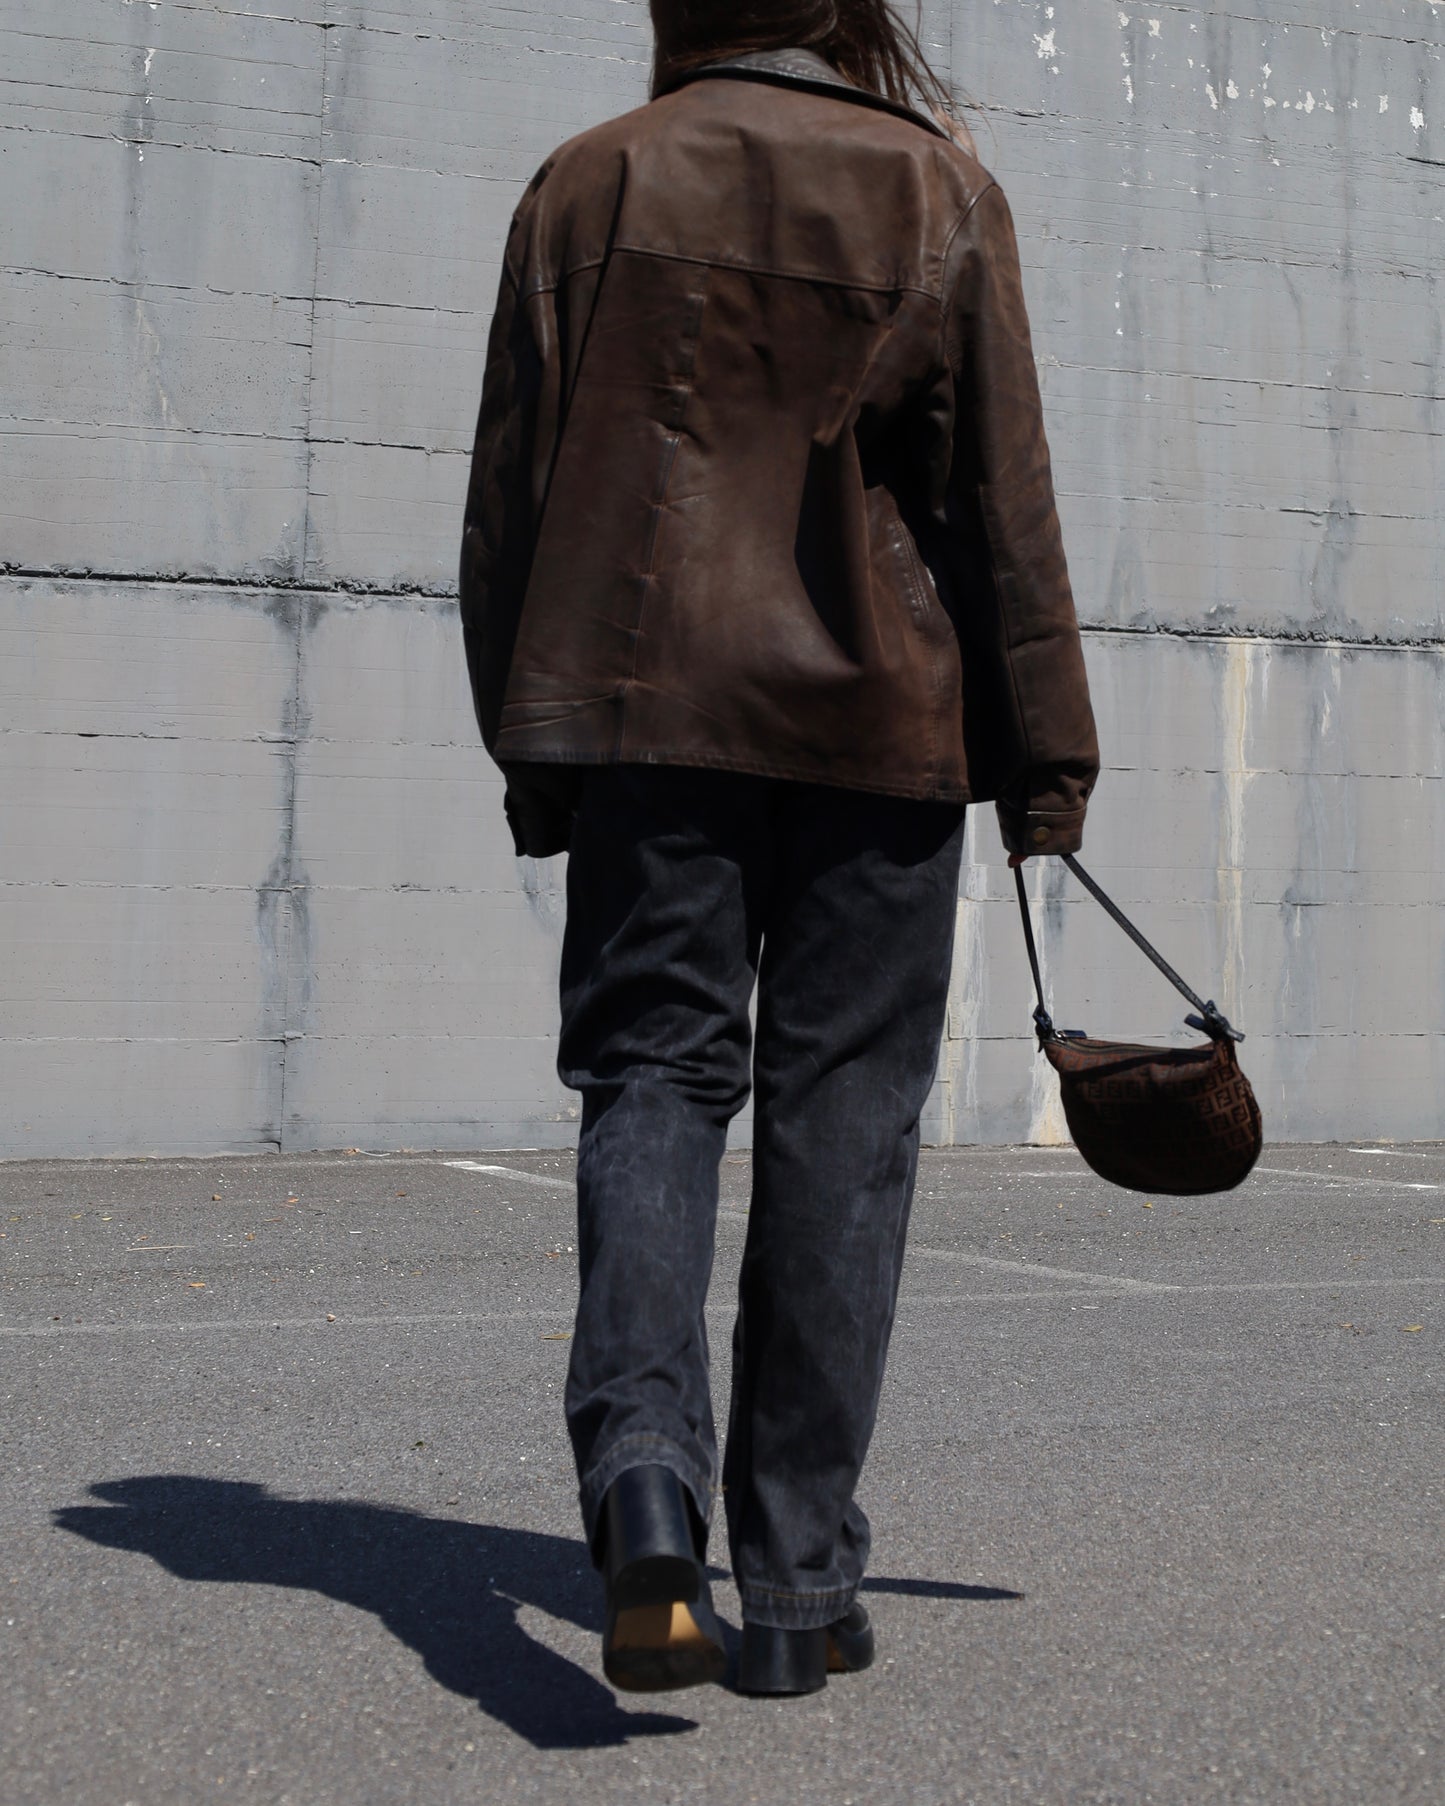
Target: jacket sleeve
{"points": [[1000, 501], [516, 433], [499, 530]]}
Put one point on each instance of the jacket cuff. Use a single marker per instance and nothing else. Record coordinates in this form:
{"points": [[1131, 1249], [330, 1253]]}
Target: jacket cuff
{"points": [[541, 805], [1036, 833]]}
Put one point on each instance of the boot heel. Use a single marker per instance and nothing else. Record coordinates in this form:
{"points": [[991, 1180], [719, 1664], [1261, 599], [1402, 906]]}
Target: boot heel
{"points": [[782, 1661], [649, 1556], [661, 1632]]}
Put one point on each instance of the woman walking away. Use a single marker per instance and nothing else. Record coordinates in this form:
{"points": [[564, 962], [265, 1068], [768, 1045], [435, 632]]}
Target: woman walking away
{"points": [[762, 583]]}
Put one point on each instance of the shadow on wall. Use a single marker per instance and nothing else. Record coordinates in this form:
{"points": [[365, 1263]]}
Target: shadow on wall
{"points": [[448, 1590]]}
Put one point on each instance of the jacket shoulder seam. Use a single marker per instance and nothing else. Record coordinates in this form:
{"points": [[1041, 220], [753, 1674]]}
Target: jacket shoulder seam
{"points": [[908, 285], [945, 286], [958, 225]]}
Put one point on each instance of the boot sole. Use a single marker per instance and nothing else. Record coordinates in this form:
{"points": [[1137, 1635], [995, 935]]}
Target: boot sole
{"points": [[659, 1648]]}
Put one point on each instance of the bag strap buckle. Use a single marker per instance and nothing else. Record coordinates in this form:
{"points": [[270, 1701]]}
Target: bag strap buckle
{"points": [[1214, 1023]]}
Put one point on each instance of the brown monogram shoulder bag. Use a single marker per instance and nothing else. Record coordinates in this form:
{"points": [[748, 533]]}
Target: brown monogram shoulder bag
{"points": [[1177, 1120]]}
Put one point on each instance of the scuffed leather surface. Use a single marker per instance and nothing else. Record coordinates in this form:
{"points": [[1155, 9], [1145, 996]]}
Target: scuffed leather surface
{"points": [[760, 479]]}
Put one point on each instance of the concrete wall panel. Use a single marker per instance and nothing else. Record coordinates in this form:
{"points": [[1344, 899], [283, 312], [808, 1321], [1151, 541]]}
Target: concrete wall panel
{"points": [[145, 806], [86, 1097], [158, 964], [155, 214], [153, 813], [392, 376], [441, 983], [452, 92], [128, 500], [382, 517], [465, 1092], [253, 870], [119, 660], [158, 359], [167, 73], [401, 237]]}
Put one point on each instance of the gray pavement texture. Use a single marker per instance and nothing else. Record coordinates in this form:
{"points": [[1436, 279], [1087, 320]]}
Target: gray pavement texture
{"points": [[288, 1511]]}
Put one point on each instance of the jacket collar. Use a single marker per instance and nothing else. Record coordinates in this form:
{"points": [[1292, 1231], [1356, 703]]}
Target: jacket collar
{"points": [[800, 68]]}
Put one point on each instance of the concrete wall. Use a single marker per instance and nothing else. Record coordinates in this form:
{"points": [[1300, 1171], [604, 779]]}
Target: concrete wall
{"points": [[254, 884]]}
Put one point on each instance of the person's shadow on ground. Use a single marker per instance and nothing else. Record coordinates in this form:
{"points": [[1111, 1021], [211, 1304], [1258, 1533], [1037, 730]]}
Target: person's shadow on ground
{"points": [[448, 1590]]}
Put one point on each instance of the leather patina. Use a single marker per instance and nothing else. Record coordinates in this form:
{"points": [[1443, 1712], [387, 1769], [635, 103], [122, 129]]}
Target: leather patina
{"points": [[761, 481]]}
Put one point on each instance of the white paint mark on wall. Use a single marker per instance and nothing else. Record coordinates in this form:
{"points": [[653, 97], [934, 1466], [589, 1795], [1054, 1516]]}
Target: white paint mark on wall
{"points": [[1154, 28], [1047, 1126], [958, 1066], [1231, 88], [1417, 119], [1384, 103], [1213, 97], [1124, 59], [1238, 681], [149, 352], [1046, 49]]}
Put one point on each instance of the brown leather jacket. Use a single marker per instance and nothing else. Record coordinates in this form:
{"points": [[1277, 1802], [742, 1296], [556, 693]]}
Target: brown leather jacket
{"points": [[760, 480]]}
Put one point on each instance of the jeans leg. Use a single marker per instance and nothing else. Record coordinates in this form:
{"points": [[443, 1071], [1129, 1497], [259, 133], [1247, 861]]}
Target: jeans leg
{"points": [[857, 948], [658, 965]]}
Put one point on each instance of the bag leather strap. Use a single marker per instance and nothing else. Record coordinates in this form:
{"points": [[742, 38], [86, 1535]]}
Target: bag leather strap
{"points": [[1043, 1021], [1210, 1020]]}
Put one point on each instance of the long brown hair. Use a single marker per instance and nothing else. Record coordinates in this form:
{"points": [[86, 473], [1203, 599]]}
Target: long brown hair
{"points": [[864, 40]]}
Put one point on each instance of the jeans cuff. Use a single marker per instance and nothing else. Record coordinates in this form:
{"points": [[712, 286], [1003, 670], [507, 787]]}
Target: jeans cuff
{"points": [[777, 1610], [644, 1449]]}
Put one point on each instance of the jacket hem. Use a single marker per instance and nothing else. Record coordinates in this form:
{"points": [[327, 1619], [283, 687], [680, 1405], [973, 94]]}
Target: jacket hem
{"points": [[926, 792]]}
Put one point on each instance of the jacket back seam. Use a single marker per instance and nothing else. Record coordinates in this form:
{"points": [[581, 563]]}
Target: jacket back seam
{"points": [[686, 389]]}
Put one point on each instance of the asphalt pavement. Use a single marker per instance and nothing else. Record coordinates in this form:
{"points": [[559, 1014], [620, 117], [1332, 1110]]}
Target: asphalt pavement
{"points": [[287, 1512]]}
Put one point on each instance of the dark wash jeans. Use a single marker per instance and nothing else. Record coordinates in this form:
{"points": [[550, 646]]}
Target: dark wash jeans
{"points": [[684, 887]]}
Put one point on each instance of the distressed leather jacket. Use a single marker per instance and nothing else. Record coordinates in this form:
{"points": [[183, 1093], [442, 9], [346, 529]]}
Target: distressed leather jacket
{"points": [[760, 480]]}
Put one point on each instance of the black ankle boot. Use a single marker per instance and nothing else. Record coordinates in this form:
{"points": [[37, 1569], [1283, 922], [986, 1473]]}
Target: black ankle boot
{"points": [[661, 1632], [800, 1661]]}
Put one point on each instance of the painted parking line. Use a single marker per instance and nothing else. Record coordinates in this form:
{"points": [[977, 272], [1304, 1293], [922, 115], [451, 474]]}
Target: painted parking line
{"points": [[1273, 1172], [510, 1172], [1287, 1172], [1030, 1270], [1099, 1287], [318, 1320]]}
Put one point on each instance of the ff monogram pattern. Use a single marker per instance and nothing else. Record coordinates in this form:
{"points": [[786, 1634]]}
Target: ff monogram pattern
{"points": [[1160, 1119]]}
